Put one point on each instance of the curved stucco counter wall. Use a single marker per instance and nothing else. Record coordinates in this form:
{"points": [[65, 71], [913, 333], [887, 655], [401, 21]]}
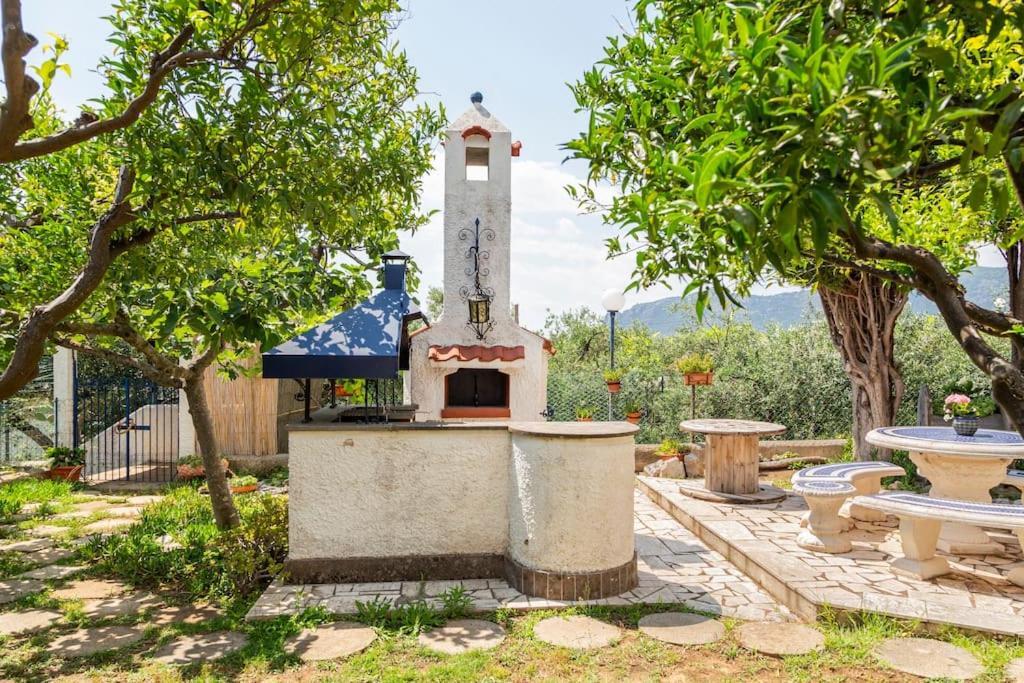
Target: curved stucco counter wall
{"points": [[571, 509], [546, 505]]}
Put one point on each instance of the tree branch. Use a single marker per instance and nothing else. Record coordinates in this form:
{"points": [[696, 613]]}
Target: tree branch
{"points": [[145, 369], [14, 113], [41, 322]]}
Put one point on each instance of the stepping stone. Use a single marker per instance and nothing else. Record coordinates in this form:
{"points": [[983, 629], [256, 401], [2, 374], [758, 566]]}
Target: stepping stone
{"points": [[199, 648], [928, 658], [90, 589], [185, 614], [89, 641], [51, 572], [15, 589], [330, 641], [108, 526], [92, 506], [32, 546], [780, 639], [74, 514], [143, 500], [29, 621], [123, 512], [120, 606], [577, 632], [47, 530], [682, 628], [463, 635], [51, 555], [1015, 671]]}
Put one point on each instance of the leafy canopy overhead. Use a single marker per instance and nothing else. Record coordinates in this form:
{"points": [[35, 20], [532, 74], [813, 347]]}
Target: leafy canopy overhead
{"points": [[268, 169], [748, 137]]}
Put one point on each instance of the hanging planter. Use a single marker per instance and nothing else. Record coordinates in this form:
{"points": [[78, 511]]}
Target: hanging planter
{"points": [[613, 380]]}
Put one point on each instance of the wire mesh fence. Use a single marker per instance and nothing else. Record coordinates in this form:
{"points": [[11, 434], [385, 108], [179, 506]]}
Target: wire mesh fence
{"points": [[27, 424]]}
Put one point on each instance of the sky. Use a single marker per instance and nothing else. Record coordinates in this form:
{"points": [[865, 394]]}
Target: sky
{"points": [[521, 55]]}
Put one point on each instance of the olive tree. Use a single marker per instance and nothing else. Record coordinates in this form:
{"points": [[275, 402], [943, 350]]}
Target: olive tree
{"points": [[780, 137]]}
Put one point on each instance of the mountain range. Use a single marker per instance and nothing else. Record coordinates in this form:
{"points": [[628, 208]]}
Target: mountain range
{"points": [[786, 309]]}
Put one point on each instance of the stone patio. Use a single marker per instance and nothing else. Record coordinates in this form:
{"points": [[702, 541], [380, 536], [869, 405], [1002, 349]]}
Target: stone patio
{"points": [[761, 540], [674, 568]]}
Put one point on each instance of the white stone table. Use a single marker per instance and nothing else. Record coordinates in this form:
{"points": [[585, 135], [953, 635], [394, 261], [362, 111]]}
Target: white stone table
{"points": [[731, 457], [959, 468]]}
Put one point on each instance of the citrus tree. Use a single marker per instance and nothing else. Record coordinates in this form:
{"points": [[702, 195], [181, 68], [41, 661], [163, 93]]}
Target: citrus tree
{"points": [[242, 158], [790, 137]]}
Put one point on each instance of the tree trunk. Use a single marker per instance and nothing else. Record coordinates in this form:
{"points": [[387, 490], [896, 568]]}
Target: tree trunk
{"points": [[861, 312], [224, 511], [1015, 272]]}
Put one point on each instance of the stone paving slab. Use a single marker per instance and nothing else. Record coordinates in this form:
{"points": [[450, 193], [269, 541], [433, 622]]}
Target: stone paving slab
{"points": [[576, 632], [91, 589], [928, 658], [52, 572], [682, 628], [780, 639], [185, 614], [674, 567], [120, 606], [330, 641], [108, 526], [27, 621], [463, 635], [50, 555], [31, 546], [199, 648], [47, 531], [89, 641], [16, 589], [761, 540]]}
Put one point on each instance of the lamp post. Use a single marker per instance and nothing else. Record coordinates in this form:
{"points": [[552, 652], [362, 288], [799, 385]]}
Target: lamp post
{"points": [[613, 300]]}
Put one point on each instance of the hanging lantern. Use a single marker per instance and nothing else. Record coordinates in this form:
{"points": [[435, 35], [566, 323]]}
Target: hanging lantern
{"points": [[479, 309]]}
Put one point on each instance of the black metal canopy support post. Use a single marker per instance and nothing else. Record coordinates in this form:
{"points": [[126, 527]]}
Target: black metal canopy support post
{"points": [[305, 402]]}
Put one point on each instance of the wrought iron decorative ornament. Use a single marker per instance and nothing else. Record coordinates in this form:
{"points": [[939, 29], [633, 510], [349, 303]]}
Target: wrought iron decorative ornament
{"points": [[478, 296]]}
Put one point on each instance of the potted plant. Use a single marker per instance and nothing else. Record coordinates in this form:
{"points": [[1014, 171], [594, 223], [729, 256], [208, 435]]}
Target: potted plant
{"points": [[65, 463], [962, 412], [584, 414], [669, 449], [244, 484], [191, 467], [613, 379], [697, 368], [633, 412]]}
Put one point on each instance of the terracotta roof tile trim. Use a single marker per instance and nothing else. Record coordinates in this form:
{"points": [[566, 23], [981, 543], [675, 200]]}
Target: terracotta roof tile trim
{"points": [[478, 352]]}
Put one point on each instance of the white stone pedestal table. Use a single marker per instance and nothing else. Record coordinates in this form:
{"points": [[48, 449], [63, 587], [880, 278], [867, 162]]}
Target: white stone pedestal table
{"points": [[959, 468]]}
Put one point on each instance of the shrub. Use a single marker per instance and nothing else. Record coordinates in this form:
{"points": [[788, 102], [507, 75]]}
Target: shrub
{"points": [[612, 376], [62, 456], [695, 362], [584, 413], [208, 563], [670, 447]]}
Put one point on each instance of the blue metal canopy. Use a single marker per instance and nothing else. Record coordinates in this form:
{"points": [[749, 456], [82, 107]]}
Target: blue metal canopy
{"points": [[366, 341]]}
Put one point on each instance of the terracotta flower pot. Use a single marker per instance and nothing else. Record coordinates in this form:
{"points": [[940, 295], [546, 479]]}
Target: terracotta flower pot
{"points": [[633, 418], [244, 489], [65, 473], [614, 387], [668, 456], [699, 378], [196, 471], [584, 419]]}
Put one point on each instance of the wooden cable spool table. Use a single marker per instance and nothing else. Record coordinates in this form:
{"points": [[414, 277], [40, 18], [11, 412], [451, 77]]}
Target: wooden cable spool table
{"points": [[731, 455]]}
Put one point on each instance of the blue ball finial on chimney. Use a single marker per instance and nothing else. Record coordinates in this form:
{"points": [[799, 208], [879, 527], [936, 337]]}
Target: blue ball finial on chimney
{"points": [[476, 98]]}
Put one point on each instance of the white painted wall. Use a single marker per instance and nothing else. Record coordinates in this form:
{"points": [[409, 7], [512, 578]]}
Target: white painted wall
{"points": [[63, 394], [571, 502], [106, 451], [490, 201], [366, 492], [394, 491]]}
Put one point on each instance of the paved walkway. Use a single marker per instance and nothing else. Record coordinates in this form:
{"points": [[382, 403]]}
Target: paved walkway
{"points": [[674, 568], [762, 540]]}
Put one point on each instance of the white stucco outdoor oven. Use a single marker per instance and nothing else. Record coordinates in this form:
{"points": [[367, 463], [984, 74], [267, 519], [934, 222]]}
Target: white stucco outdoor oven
{"points": [[478, 486]]}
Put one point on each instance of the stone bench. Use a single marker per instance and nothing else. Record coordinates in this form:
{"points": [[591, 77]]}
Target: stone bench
{"points": [[826, 488], [921, 519]]}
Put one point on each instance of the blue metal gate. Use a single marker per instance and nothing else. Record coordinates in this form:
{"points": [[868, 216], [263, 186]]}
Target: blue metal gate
{"points": [[128, 425]]}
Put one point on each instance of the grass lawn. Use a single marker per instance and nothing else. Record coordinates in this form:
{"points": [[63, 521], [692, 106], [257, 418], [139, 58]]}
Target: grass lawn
{"points": [[205, 567]]}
